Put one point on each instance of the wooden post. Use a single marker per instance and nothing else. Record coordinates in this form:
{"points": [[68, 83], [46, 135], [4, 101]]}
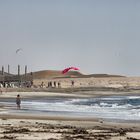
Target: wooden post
{"points": [[25, 77], [2, 70], [18, 70], [25, 70], [8, 69], [19, 78], [3, 77]]}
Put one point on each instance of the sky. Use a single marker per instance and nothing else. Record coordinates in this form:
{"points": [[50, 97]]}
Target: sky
{"points": [[97, 36]]}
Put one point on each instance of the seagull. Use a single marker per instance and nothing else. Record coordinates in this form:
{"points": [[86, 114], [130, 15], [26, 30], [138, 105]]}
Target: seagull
{"points": [[18, 50]]}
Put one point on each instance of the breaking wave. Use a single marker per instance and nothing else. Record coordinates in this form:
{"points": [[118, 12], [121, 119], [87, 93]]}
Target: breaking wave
{"points": [[113, 107]]}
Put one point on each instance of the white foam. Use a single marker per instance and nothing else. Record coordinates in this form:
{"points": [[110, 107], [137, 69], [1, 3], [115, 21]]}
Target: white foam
{"points": [[133, 97], [3, 112], [98, 107]]}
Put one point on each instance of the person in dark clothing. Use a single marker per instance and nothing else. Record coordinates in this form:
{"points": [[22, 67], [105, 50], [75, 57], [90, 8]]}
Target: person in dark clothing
{"points": [[54, 84], [50, 84], [59, 85], [72, 83], [18, 101]]}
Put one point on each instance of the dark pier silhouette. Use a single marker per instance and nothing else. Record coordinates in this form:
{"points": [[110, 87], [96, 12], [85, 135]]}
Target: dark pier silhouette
{"points": [[18, 79]]}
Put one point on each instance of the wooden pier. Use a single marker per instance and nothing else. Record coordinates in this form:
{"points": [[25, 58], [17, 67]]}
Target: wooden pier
{"points": [[9, 78], [16, 78]]}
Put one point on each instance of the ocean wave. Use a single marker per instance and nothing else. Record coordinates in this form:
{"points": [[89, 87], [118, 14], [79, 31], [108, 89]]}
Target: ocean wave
{"points": [[126, 108], [133, 97]]}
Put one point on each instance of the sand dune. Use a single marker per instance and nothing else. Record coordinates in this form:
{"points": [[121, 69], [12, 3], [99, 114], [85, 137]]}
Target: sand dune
{"points": [[54, 74], [58, 74]]}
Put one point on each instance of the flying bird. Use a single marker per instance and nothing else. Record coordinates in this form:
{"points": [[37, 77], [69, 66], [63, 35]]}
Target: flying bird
{"points": [[18, 50]]}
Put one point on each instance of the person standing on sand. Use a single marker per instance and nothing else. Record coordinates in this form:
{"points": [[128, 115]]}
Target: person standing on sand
{"points": [[18, 101], [59, 85], [72, 83], [54, 84]]}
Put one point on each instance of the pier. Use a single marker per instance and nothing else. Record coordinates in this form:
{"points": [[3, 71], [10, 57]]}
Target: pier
{"points": [[17, 79]]}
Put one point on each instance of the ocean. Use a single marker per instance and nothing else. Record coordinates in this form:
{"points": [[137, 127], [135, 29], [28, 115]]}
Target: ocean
{"points": [[115, 108]]}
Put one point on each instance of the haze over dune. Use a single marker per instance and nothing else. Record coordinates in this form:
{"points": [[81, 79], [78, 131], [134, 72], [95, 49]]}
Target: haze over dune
{"points": [[55, 74], [71, 74]]}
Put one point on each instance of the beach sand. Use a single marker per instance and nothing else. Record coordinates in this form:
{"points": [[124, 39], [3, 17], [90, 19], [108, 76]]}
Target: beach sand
{"points": [[29, 127], [109, 82]]}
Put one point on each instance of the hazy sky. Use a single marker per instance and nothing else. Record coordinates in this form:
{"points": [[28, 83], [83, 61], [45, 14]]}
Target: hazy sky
{"points": [[98, 36]]}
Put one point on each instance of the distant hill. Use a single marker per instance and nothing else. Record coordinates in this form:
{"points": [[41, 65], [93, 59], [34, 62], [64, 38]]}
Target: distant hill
{"points": [[55, 74], [75, 74], [103, 75]]}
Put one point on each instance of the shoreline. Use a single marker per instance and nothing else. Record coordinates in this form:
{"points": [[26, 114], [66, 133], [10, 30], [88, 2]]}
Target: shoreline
{"points": [[66, 118], [78, 94], [69, 89], [28, 126], [47, 117], [52, 95]]}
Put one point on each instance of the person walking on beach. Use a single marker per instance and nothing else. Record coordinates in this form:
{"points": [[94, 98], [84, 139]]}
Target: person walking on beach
{"points": [[18, 101], [72, 83]]}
